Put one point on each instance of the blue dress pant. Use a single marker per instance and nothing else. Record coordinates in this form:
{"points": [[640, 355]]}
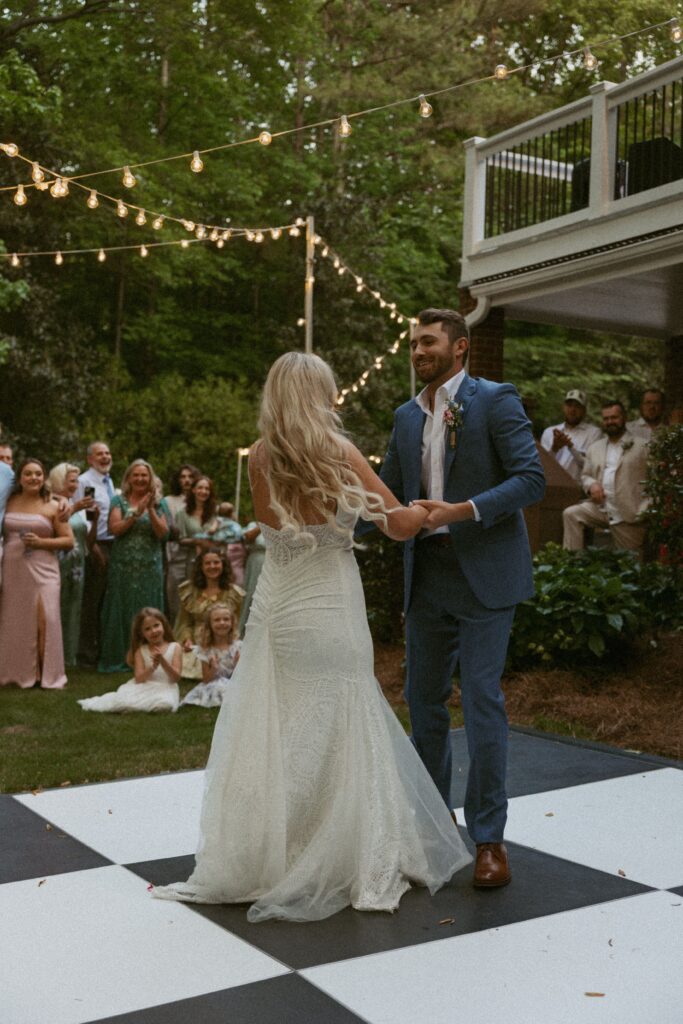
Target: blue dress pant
{"points": [[446, 625]]}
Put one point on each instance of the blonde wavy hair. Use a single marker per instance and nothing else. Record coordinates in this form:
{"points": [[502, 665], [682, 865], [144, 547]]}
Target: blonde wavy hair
{"points": [[306, 445], [125, 483], [58, 474]]}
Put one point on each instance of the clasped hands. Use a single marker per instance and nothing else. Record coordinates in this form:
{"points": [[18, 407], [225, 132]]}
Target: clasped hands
{"points": [[441, 513]]}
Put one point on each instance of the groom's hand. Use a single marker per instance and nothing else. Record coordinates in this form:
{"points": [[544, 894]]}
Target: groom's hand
{"points": [[441, 513]]}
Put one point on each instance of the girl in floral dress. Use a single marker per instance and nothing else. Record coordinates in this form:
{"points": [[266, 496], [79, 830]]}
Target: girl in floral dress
{"points": [[218, 654]]}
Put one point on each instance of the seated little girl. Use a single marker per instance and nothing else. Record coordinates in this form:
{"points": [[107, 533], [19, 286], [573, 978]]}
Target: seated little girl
{"points": [[218, 653], [156, 659]]}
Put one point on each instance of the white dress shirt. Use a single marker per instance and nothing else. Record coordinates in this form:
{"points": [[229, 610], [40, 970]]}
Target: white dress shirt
{"points": [[639, 428], [104, 492], [582, 437], [612, 460], [434, 443]]}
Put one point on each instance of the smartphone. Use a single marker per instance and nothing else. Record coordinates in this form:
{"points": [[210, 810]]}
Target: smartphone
{"points": [[89, 492]]}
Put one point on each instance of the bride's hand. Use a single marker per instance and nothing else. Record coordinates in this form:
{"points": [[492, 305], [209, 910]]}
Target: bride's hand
{"points": [[441, 513]]}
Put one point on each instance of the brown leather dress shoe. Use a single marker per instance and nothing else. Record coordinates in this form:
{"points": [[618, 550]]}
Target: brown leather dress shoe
{"points": [[492, 868]]}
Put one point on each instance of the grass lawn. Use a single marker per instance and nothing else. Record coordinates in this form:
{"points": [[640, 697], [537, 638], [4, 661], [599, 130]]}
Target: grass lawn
{"points": [[47, 740]]}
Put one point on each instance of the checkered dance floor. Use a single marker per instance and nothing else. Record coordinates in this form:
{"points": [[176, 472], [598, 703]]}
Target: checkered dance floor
{"points": [[590, 930]]}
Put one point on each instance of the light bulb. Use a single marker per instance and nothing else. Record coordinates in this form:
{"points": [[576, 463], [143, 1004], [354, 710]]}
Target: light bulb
{"points": [[227, 234], [590, 61], [59, 188], [326, 251], [184, 243], [12, 150], [500, 72], [676, 32], [144, 251], [249, 235], [258, 237], [336, 263], [129, 179], [189, 225], [392, 315], [341, 271], [36, 172], [220, 243], [399, 319], [344, 128], [265, 138], [121, 209], [300, 222], [200, 231], [92, 201], [14, 260], [101, 256], [196, 163], [42, 185], [59, 259], [140, 218], [294, 232], [158, 223], [426, 109], [317, 239], [276, 233], [359, 287], [20, 196], [300, 322], [359, 280], [382, 303], [214, 235]]}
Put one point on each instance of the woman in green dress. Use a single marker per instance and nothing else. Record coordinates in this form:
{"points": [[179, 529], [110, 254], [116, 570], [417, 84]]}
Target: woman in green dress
{"points": [[63, 481], [139, 522]]}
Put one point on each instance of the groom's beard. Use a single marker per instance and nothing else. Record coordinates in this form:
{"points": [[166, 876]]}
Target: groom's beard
{"points": [[430, 368]]}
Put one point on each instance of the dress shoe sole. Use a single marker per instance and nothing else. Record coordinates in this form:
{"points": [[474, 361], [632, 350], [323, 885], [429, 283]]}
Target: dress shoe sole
{"points": [[492, 885]]}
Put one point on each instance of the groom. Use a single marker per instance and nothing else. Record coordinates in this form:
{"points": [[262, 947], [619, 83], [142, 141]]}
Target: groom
{"points": [[466, 442]]}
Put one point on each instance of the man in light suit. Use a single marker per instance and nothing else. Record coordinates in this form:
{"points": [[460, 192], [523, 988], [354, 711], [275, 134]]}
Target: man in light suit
{"points": [[613, 477], [469, 567]]}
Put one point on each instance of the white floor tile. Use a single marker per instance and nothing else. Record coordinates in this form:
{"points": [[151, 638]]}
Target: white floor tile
{"points": [[128, 821], [534, 972], [91, 944], [632, 824]]}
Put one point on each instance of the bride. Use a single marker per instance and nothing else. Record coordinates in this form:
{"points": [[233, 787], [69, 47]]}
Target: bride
{"points": [[314, 797]]}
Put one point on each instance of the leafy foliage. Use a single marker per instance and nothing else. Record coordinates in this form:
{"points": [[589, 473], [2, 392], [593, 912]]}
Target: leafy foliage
{"points": [[591, 605], [664, 485]]}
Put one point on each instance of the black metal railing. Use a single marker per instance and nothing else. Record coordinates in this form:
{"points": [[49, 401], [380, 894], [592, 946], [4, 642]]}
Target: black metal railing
{"points": [[650, 140], [539, 179]]}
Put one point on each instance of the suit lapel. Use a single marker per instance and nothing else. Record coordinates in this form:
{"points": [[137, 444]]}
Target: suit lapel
{"points": [[464, 395], [413, 451]]}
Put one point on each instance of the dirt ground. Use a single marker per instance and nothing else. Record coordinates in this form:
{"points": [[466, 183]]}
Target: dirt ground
{"points": [[637, 707]]}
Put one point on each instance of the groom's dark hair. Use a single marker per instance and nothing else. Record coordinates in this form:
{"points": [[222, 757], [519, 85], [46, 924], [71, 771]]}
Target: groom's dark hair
{"points": [[454, 322]]}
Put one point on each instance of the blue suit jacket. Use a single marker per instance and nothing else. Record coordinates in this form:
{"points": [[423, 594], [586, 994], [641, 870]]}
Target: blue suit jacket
{"points": [[6, 485], [496, 464]]}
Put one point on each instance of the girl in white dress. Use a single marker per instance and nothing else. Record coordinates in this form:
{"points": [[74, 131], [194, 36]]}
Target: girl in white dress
{"points": [[218, 654], [314, 799], [156, 659]]}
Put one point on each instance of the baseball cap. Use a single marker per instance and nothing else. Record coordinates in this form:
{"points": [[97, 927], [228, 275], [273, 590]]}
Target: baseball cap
{"points": [[576, 396]]}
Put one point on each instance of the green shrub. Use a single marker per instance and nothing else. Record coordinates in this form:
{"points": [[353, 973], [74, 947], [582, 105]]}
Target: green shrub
{"points": [[664, 485], [591, 605]]}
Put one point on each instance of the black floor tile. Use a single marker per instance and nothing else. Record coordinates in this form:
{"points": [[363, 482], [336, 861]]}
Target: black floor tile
{"points": [[538, 763], [678, 890], [541, 885], [286, 1000], [29, 849]]}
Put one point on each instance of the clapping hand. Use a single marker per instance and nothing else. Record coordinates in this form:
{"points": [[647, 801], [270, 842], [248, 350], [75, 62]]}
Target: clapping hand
{"points": [[561, 440]]}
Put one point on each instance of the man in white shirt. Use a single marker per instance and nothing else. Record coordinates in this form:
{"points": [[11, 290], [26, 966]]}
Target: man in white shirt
{"points": [[651, 415], [96, 477], [613, 477], [569, 441]]}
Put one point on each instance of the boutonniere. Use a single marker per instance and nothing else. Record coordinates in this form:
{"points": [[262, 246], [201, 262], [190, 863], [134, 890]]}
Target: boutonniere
{"points": [[453, 418], [627, 444]]}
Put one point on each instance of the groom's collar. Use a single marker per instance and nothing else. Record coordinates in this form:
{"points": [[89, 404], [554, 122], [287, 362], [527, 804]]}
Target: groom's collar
{"points": [[451, 387]]}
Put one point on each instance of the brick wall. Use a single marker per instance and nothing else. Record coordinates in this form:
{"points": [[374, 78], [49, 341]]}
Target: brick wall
{"points": [[487, 342]]}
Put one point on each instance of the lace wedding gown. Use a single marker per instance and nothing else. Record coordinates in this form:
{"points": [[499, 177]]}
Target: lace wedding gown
{"points": [[314, 797]]}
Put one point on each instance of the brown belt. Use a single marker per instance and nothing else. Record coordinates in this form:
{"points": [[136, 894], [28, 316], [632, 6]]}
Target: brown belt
{"points": [[440, 540]]}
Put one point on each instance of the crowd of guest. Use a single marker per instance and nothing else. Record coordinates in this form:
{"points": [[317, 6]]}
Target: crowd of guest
{"points": [[609, 462], [107, 577]]}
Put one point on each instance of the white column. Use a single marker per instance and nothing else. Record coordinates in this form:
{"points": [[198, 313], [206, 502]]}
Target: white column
{"points": [[603, 141]]}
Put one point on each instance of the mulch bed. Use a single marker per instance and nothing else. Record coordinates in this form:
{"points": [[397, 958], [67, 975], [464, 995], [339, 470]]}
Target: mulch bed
{"points": [[638, 706]]}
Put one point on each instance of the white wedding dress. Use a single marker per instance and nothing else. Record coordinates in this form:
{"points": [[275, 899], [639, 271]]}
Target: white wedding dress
{"points": [[314, 796]]}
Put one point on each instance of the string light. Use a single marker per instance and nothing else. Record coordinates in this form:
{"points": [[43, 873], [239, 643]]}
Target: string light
{"points": [[590, 61], [36, 172], [59, 188], [41, 185], [144, 251], [121, 209], [158, 223], [14, 260], [189, 225], [265, 138], [10, 148], [59, 259], [213, 237], [258, 237], [249, 235], [220, 243], [276, 233], [92, 201], [140, 218], [341, 268], [294, 231], [129, 179], [227, 235], [101, 256], [344, 128], [426, 109], [676, 32], [200, 232], [184, 243], [196, 164], [20, 196], [500, 72]]}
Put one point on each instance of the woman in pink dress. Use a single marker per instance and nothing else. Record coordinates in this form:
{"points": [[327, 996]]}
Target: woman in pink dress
{"points": [[30, 626]]}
